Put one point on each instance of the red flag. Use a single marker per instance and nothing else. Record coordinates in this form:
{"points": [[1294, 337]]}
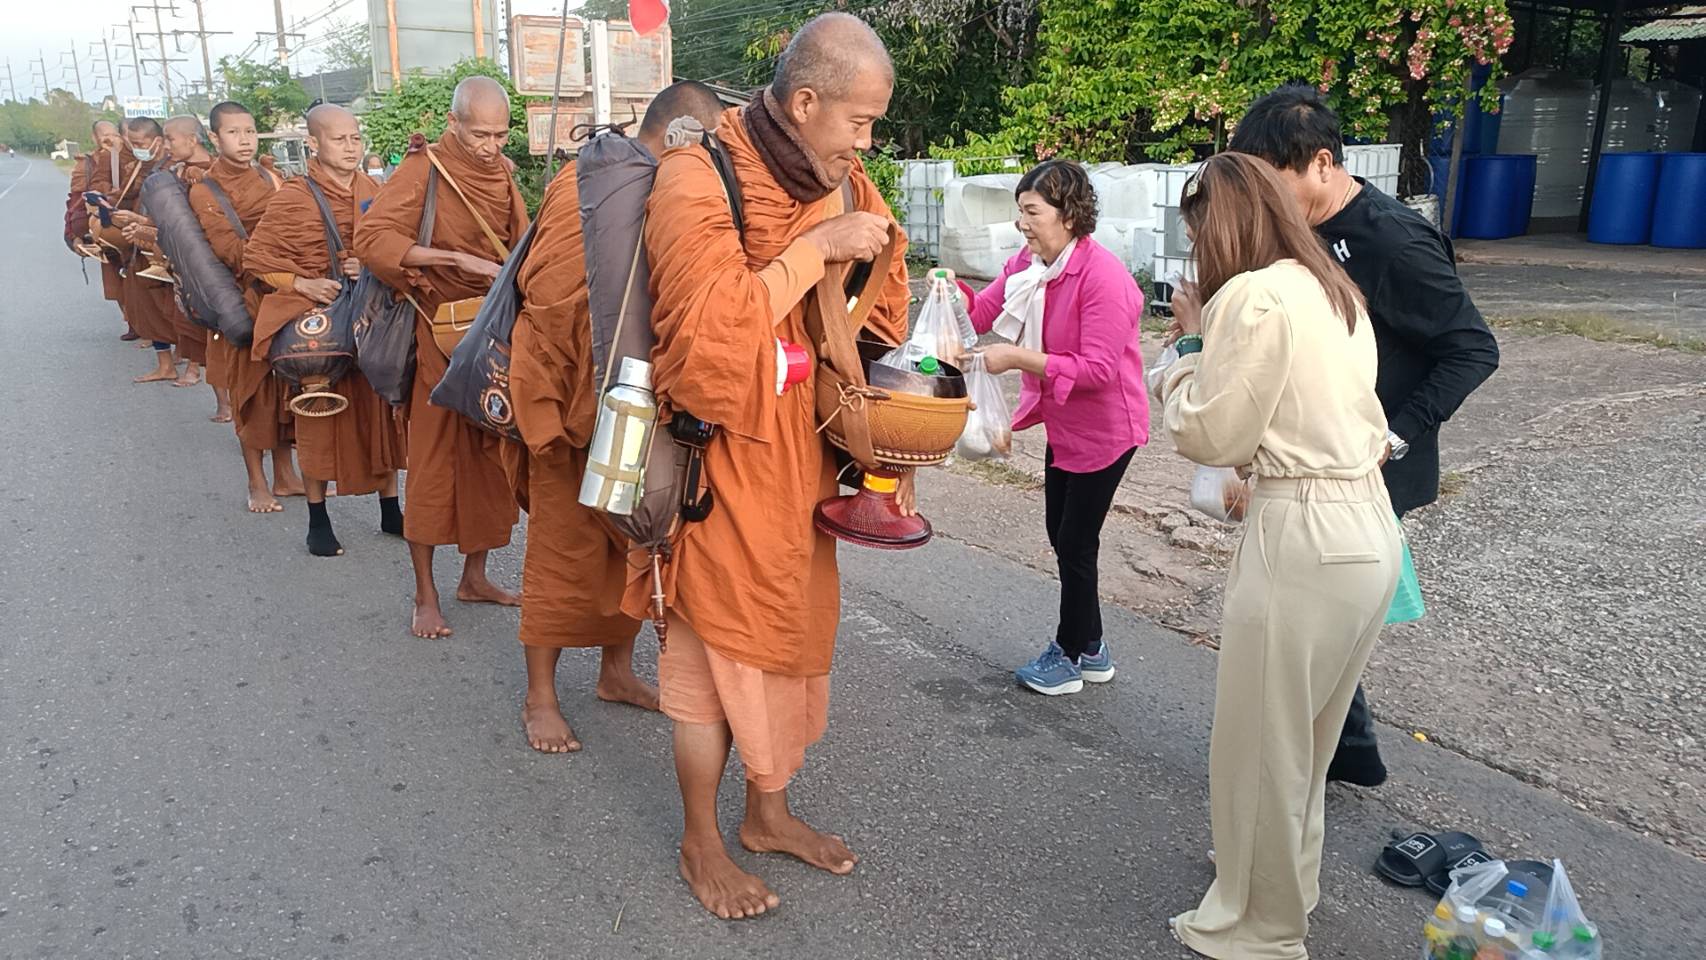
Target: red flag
{"points": [[647, 15]]}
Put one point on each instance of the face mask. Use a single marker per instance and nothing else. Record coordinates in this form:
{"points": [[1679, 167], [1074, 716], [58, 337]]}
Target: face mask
{"points": [[144, 154]]}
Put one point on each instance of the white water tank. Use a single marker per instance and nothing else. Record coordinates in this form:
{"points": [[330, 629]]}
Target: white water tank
{"points": [[1551, 115], [1630, 117], [1679, 111]]}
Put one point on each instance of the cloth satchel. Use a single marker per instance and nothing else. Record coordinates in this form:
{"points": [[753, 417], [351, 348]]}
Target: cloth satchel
{"points": [[385, 320]]}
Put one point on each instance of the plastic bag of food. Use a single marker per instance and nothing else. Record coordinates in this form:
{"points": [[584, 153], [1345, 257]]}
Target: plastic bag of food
{"points": [[1564, 931], [1155, 374], [1220, 493], [989, 426], [943, 329]]}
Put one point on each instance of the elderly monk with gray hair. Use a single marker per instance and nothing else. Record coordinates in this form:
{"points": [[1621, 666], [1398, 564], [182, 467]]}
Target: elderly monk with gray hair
{"points": [[754, 598], [458, 494]]}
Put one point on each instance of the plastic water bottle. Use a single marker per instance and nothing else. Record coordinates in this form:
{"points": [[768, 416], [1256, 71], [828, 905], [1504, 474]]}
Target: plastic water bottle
{"points": [[1461, 946], [1495, 942], [1582, 945], [1512, 906], [929, 366], [1440, 930]]}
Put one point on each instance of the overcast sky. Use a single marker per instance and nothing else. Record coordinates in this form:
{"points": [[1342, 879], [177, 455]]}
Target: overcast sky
{"points": [[51, 29]]}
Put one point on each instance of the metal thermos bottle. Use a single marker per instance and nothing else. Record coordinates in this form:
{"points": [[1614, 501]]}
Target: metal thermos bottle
{"points": [[621, 440]]}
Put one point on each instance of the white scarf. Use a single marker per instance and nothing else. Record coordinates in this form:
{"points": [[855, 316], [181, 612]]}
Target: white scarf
{"points": [[1021, 319]]}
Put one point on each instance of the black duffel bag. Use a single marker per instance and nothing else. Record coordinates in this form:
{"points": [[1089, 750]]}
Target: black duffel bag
{"points": [[476, 384], [385, 320], [314, 351], [205, 285]]}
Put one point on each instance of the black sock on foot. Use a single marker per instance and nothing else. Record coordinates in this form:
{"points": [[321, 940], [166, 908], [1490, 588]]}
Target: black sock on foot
{"points": [[1360, 765], [321, 541], [390, 516]]}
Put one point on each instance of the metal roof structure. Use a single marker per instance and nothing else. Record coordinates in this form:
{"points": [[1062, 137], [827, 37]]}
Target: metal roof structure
{"points": [[1687, 23]]}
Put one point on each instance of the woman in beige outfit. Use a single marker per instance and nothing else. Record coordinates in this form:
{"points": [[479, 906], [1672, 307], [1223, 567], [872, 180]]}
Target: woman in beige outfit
{"points": [[1276, 377]]}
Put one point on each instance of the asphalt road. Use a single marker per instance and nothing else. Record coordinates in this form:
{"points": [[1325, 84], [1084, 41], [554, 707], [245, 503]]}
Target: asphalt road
{"points": [[213, 745]]}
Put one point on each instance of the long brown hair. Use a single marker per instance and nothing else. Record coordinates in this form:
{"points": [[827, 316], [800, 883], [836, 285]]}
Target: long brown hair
{"points": [[1243, 218]]}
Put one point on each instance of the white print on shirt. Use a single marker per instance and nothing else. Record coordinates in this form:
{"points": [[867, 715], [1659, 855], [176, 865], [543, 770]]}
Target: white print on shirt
{"points": [[1342, 250]]}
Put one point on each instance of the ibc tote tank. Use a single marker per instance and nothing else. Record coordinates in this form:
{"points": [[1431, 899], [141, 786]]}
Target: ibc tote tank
{"points": [[1630, 117], [1679, 109], [1551, 115]]}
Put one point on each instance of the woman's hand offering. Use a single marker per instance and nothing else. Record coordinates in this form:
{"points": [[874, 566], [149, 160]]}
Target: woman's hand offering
{"points": [[1187, 309], [1000, 357]]}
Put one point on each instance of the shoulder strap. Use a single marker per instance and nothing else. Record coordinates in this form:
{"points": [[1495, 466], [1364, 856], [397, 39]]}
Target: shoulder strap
{"points": [[219, 194], [113, 156], [334, 243], [429, 210], [725, 168], [498, 245]]}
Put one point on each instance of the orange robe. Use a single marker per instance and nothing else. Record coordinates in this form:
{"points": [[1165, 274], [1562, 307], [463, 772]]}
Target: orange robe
{"points": [[81, 175], [138, 297], [755, 580], [359, 448], [257, 398], [574, 572], [457, 491]]}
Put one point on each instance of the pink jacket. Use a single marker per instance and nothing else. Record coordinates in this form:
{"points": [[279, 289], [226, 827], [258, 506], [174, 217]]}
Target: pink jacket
{"points": [[1094, 407]]}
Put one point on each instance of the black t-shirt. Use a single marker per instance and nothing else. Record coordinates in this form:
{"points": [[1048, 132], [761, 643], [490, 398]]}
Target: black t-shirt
{"points": [[1435, 348]]}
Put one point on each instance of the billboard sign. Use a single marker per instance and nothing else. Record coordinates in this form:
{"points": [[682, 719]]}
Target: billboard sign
{"points": [[533, 55], [431, 35], [144, 107]]}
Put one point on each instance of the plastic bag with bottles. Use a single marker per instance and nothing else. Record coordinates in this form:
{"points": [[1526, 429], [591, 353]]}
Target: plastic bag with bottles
{"points": [[943, 329], [1489, 913]]}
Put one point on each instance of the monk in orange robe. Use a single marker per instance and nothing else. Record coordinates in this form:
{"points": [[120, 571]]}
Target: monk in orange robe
{"points": [[360, 448], [107, 140], [257, 402], [575, 570], [755, 598], [140, 153], [190, 161], [457, 491]]}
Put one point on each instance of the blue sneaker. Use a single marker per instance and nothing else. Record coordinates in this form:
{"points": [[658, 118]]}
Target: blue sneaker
{"points": [[1097, 668], [1051, 673]]}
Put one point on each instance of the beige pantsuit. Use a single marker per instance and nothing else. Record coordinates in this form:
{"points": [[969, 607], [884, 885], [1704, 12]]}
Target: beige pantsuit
{"points": [[1282, 387]]}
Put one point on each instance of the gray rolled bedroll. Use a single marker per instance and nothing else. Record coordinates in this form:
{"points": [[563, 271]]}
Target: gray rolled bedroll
{"points": [[212, 294]]}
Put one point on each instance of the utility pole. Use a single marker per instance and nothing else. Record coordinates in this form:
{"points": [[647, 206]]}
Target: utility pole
{"points": [[112, 78], [11, 85], [77, 69], [202, 33], [135, 58], [278, 15], [160, 33], [41, 61]]}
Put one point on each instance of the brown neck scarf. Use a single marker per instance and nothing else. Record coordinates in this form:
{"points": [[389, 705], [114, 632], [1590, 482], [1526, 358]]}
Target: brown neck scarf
{"points": [[784, 152]]}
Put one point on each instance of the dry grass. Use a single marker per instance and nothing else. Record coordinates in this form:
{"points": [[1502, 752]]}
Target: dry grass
{"points": [[1601, 328], [1452, 483], [997, 472]]}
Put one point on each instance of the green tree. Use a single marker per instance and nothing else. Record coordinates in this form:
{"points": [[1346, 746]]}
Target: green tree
{"points": [[37, 126], [348, 46], [266, 89]]}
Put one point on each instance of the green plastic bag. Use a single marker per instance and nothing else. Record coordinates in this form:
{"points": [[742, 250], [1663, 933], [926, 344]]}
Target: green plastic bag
{"points": [[1407, 603]]}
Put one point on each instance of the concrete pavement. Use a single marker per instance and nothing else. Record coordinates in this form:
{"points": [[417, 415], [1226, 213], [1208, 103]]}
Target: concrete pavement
{"points": [[212, 744]]}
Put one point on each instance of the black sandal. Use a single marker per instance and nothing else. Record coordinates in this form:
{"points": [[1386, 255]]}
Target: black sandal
{"points": [[1413, 860]]}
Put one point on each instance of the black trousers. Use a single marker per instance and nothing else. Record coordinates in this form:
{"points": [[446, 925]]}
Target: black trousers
{"points": [[1075, 506], [1359, 723]]}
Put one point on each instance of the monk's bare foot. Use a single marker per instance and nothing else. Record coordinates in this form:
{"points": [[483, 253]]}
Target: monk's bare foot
{"points": [[547, 730], [790, 835], [629, 689], [157, 376], [481, 590], [289, 487], [260, 501], [129, 336], [725, 889], [428, 622], [221, 416], [191, 377]]}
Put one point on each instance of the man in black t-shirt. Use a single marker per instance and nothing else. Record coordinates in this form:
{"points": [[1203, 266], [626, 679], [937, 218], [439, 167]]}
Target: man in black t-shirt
{"points": [[1435, 348]]}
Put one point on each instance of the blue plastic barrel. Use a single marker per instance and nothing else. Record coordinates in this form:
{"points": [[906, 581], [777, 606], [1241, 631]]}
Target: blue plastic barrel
{"points": [[1679, 211], [1495, 196], [1623, 194]]}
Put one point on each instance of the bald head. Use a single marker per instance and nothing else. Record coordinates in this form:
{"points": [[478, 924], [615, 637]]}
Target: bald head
{"points": [[831, 54], [686, 98], [833, 84], [184, 139], [336, 137], [106, 134], [479, 95], [479, 118]]}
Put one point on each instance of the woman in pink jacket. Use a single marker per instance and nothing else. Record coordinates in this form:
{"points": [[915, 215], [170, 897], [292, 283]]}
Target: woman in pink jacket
{"points": [[1072, 311]]}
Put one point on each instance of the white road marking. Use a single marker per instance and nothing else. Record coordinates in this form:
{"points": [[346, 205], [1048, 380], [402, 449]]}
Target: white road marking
{"points": [[27, 165]]}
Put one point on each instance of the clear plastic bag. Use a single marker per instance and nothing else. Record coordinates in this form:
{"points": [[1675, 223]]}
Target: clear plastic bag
{"points": [[1156, 373], [1220, 493], [1564, 930], [989, 427], [943, 329]]}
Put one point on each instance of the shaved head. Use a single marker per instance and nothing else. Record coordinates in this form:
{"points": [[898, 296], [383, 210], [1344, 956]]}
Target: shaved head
{"points": [[184, 139], [186, 125], [828, 54], [479, 95], [146, 126], [479, 118], [104, 127], [833, 83], [685, 98], [336, 135]]}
